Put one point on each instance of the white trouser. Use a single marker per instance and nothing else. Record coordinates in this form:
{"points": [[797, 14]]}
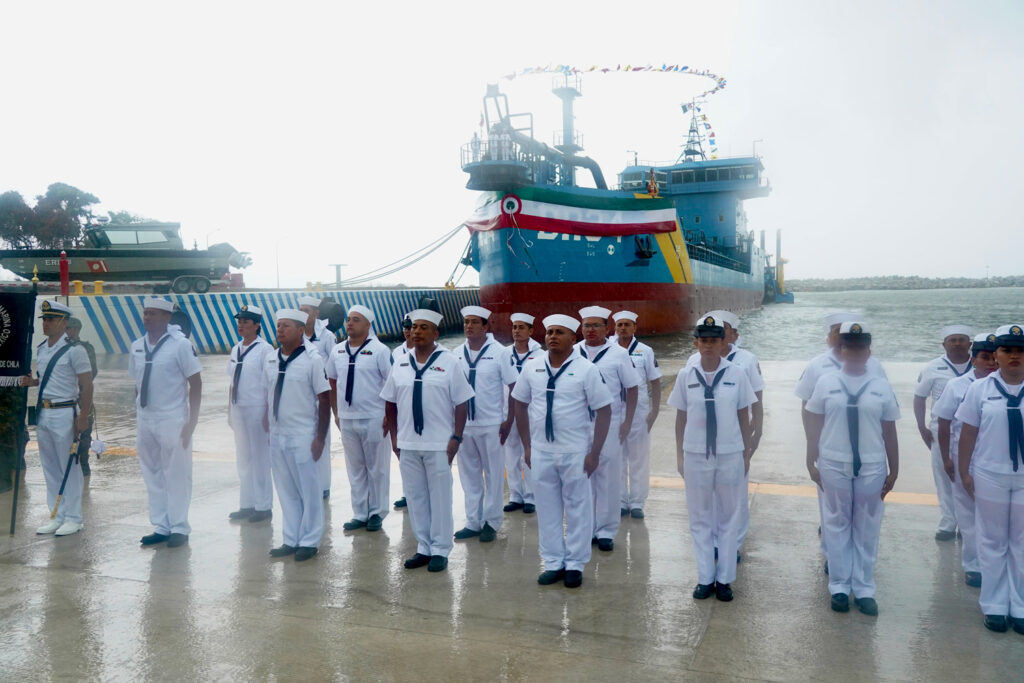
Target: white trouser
{"points": [[298, 489], [482, 473], [606, 482], [999, 521], [714, 487], [323, 465], [252, 456], [636, 464], [166, 469], [368, 463], [55, 434], [852, 510], [562, 491], [744, 525], [520, 484], [427, 482], [943, 488], [965, 521]]}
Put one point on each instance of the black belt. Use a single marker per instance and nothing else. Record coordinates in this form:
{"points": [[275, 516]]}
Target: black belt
{"points": [[47, 403]]}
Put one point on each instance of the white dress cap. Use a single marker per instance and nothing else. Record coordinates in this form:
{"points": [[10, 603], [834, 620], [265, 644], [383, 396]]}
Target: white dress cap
{"points": [[624, 315], [566, 321], [595, 312], [426, 314], [363, 311], [55, 308], [522, 318], [158, 303], [839, 317], [291, 314], [478, 311], [949, 330], [309, 301], [854, 327]]}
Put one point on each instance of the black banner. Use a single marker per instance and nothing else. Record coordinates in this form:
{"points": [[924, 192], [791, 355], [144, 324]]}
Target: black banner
{"points": [[16, 312]]}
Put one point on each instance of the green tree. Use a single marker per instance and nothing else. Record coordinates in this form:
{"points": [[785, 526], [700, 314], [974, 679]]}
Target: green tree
{"points": [[126, 218], [17, 220], [61, 215]]}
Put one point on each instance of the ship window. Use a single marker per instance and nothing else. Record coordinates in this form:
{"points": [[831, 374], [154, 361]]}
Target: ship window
{"points": [[151, 237], [677, 177], [687, 176], [119, 237], [712, 174], [696, 219], [698, 176]]}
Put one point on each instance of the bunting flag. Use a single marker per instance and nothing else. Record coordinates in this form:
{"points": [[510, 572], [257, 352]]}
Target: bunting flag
{"points": [[719, 81]]}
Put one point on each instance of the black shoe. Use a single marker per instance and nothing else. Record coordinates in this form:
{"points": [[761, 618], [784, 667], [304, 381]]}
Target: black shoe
{"points": [[703, 591], [327, 494], [1018, 624], [995, 622], [636, 513], [867, 606], [177, 540], [260, 516], [942, 535], [550, 576], [593, 541], [374, 523], [303, 553], [623, 512], [512, 506], [417, 560], [605, 544], [723, 592], [463, 534], [826, 567], [529, 508], [487, 534], [438, 563], [244, 513], [573, 578], [353, 524], [840, 602], [153, 539], [400, 503], [283, 551], [973, 579]]}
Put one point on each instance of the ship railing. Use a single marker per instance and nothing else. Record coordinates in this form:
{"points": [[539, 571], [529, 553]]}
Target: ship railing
{"points": [[699, 252], [489, 150]]}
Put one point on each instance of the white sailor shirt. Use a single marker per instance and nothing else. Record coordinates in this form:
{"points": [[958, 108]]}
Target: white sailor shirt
{"points": [[304, 381], [984, 407], [173, 364], [493, 374], [616, 369], [250, 381], [372, 367], [945, 408], [933, 378], [647, 369], [825, 363], [876, 405], [732, 394], [63, 383]]}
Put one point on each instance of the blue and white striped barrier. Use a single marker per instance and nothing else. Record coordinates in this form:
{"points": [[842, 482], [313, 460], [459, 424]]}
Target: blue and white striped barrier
{"points": [[112, 322]]}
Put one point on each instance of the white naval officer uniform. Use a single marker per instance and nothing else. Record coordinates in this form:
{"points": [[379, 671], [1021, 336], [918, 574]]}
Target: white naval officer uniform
{"points": [[560, 484], [323, 342], [518, 475], [998, 495], [248, 406], [481, 460], [166, 465], [55, 427], [367, 452], [715, 482], [292, 432], [618, 374], [636, 457], [852, 505], [423, 460], [930, 383]]}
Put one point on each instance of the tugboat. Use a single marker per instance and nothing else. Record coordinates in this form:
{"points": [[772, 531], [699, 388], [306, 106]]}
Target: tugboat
{"points": [[670, 242]]}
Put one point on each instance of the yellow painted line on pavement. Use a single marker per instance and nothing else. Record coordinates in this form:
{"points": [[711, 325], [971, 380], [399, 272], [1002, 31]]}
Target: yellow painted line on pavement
{"points": [[799, 491]]}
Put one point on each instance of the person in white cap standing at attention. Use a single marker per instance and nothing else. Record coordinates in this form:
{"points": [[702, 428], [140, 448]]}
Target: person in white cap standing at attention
{"points": [[623, 382], [983, 358], [481, 460], [295, 382], [713, 452], [520, 488], [426, 395], [64, 374], [357, 370], [322, 340], [247, 406], [636, 457], [554, 398], [168, 393], [955, 362]]}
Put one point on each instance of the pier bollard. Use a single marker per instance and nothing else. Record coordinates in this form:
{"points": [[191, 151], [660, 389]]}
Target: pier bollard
{"points": [[97, 287], [76, 288]]}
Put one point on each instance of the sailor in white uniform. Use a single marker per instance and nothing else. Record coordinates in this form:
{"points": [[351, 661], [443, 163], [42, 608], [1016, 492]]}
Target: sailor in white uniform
{"points": [[168, 392], [322, 340], [853, 457], [623, 383], [983, 358], [956, 340], [481, 460], [713, 450], [247, 407], [520, 488], [636, 456], [398, 354], [299, 417], [426, 395], [357, 370], [990, 452], [554, 398], [64, 374]]}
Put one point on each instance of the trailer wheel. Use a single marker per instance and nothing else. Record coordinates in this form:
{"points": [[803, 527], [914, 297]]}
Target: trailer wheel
{"points": [[181, 285], [201, 285]]}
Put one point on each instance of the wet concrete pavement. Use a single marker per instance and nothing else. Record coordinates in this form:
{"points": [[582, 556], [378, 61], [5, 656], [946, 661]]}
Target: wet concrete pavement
{"points": [[95, 606]]}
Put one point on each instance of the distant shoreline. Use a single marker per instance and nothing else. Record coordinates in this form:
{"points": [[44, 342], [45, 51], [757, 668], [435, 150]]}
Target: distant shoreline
{"points": [[900, 282]]}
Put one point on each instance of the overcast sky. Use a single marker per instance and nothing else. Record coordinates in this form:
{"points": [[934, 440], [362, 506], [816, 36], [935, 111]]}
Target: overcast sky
{"points": [[314, 133]]}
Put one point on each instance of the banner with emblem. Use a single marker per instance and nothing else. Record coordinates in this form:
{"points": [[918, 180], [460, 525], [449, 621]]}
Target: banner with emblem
{"points": [[16, 313]]}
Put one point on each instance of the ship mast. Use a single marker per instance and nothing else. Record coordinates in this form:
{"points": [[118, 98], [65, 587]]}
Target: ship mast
{"points": [[693, 150]]}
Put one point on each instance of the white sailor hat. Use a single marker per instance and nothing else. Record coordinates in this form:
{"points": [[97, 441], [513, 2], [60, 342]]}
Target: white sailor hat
{"points": [[710, 326], [309, 301], [292, 314], [478, 311], [949, 330], [839, 317], [624, 315], [426, 314], [727, 317], [522, 318], [855, 330], [158, 303], [986, 341], [363, 311], [595, 312], [1010, 335], [54, 309], [247, 312], [566, 321]]}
